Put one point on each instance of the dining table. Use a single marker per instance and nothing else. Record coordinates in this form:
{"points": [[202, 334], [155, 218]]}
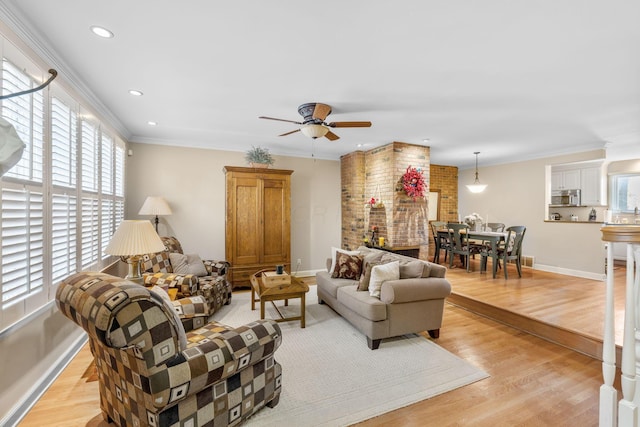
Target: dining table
{"points": [[493, 238]]}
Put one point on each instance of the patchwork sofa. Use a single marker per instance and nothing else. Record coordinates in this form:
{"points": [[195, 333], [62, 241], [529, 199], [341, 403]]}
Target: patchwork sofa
{"points": [[409, 304], [152, 373], [201, 285]]}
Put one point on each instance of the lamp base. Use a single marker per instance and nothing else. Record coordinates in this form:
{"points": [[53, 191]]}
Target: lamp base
{"points": [[134, 270]]}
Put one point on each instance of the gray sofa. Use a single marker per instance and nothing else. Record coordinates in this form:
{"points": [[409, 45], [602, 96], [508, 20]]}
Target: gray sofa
{"points": [[407, 305]]}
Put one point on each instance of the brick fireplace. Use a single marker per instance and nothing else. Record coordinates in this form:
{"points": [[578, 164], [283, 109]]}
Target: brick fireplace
{"points": [[377, 173]]}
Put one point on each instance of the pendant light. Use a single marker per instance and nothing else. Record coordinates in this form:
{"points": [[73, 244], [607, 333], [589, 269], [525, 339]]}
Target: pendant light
{"points": [[476, 187]]}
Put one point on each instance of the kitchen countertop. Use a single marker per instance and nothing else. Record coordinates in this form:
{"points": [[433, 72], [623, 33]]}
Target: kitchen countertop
{"points": [[564, 221]]}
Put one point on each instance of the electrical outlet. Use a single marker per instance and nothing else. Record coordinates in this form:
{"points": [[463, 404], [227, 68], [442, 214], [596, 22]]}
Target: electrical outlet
{"points": [[298, 262]]}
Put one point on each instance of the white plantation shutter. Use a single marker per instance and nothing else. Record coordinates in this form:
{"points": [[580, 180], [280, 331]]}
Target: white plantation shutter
{"points": [[22, 244], [62, 201], [63, 144], [90, 150], [63, 176], [26, 114], [106, 171], [119, 172], [63, 237], [22, 227], [89, 241], [107, 224]]}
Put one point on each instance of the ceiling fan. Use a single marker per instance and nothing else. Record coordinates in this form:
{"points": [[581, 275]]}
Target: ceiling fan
{"points": [[314, 125]]}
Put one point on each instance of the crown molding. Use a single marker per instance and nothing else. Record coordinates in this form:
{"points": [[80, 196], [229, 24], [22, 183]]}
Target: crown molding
{"points": [[15, 21]]}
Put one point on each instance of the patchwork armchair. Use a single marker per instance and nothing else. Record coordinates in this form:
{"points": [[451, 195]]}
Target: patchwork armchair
{"points": [[190, 276], [152, 373]]}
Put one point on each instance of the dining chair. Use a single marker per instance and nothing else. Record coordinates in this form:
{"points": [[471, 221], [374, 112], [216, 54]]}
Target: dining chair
{"points": [[441, 242], [494, 226], [511, 248], [459, 244]]}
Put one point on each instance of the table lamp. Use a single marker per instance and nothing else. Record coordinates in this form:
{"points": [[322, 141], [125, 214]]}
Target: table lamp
{"points": [[132, 239], [155, 205]]}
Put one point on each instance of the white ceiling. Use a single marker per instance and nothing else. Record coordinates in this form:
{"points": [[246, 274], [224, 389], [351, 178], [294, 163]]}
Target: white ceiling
{"points": [[513, 79]]}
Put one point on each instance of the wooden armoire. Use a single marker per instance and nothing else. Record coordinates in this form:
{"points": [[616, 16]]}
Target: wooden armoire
{"points": [[258, 221]]}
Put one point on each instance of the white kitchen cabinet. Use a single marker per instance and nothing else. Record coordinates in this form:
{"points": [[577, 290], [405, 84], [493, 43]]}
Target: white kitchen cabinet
{"points": [[590, 184], [565, 180]]}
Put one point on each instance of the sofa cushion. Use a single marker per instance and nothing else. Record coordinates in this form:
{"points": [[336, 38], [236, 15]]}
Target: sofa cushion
{"points": [[372, 256], [411, 269], [381, 273], [335, 250], [404, 261], [187, 264], [365, 278], [331, 286], [362, 303], [347, 266], [156, 263]]}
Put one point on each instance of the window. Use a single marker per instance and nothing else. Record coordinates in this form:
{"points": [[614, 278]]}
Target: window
{"points": [[26, 114], [62, 201], [22, 200], [22, 244], [625, 192]]}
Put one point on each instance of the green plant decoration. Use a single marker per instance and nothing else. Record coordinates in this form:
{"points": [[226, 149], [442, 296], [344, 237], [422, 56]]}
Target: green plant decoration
{"points": [[259, 155]]}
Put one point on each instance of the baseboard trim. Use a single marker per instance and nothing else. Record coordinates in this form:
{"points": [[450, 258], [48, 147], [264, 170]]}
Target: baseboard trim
{"points": [[570, 272], [307, 273], [19, 411]]}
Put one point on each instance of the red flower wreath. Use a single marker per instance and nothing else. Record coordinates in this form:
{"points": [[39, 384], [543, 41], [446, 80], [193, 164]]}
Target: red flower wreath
{"points": [[413, 183]]}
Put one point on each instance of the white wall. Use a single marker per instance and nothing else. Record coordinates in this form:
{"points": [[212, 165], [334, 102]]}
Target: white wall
{"points": [[193, 182], [515, 195]]}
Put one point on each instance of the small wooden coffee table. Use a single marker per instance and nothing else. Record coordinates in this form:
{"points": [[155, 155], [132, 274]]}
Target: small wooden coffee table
{"points": [[286, 291]]}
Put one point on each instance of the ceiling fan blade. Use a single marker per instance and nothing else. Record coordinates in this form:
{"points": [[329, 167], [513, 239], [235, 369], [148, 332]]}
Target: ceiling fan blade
{"points": [[331, 136], [280, 120], [349, 124], [321, 111], [289, 133]]}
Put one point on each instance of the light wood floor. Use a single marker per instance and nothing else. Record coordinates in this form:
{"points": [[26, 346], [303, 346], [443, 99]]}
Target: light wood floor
{"points": [[533, 382]]}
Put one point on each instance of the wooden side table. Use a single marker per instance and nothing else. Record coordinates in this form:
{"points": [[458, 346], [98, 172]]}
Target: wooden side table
{"points": [[285, 291]]}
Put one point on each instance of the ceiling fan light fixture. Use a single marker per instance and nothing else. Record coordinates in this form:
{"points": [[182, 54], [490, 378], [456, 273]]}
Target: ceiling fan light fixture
{"points": [[314, 131], [476, 187]]}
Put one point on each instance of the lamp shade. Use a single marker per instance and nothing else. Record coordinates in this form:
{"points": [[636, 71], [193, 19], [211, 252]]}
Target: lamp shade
{"points": [[314, 131], [477, 187], [134, 237], [155, 205]]}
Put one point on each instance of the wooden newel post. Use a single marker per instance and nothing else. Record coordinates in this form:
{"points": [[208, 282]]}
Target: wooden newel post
{"points": [[626, 412]]}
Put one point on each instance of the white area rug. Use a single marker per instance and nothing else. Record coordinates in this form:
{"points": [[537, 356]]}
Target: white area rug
{"points": [[331, 378]]}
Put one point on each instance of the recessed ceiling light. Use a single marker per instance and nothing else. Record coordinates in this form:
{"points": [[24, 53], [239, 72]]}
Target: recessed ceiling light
{"points": [[426, 140], [152, 123], [135, 92], [101, 32]]}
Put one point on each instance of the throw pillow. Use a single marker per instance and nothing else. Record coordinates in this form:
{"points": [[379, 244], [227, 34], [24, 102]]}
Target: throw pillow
{"points": [[187, 264], [334, 251], [365, 278], [347, 266], [426, 270], [372, 256], [380, 274], [411, 269]]}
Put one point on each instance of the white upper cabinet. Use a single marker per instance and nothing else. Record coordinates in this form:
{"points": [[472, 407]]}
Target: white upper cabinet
{"points": [[588, 177], [565, 180], [590, 184]]}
